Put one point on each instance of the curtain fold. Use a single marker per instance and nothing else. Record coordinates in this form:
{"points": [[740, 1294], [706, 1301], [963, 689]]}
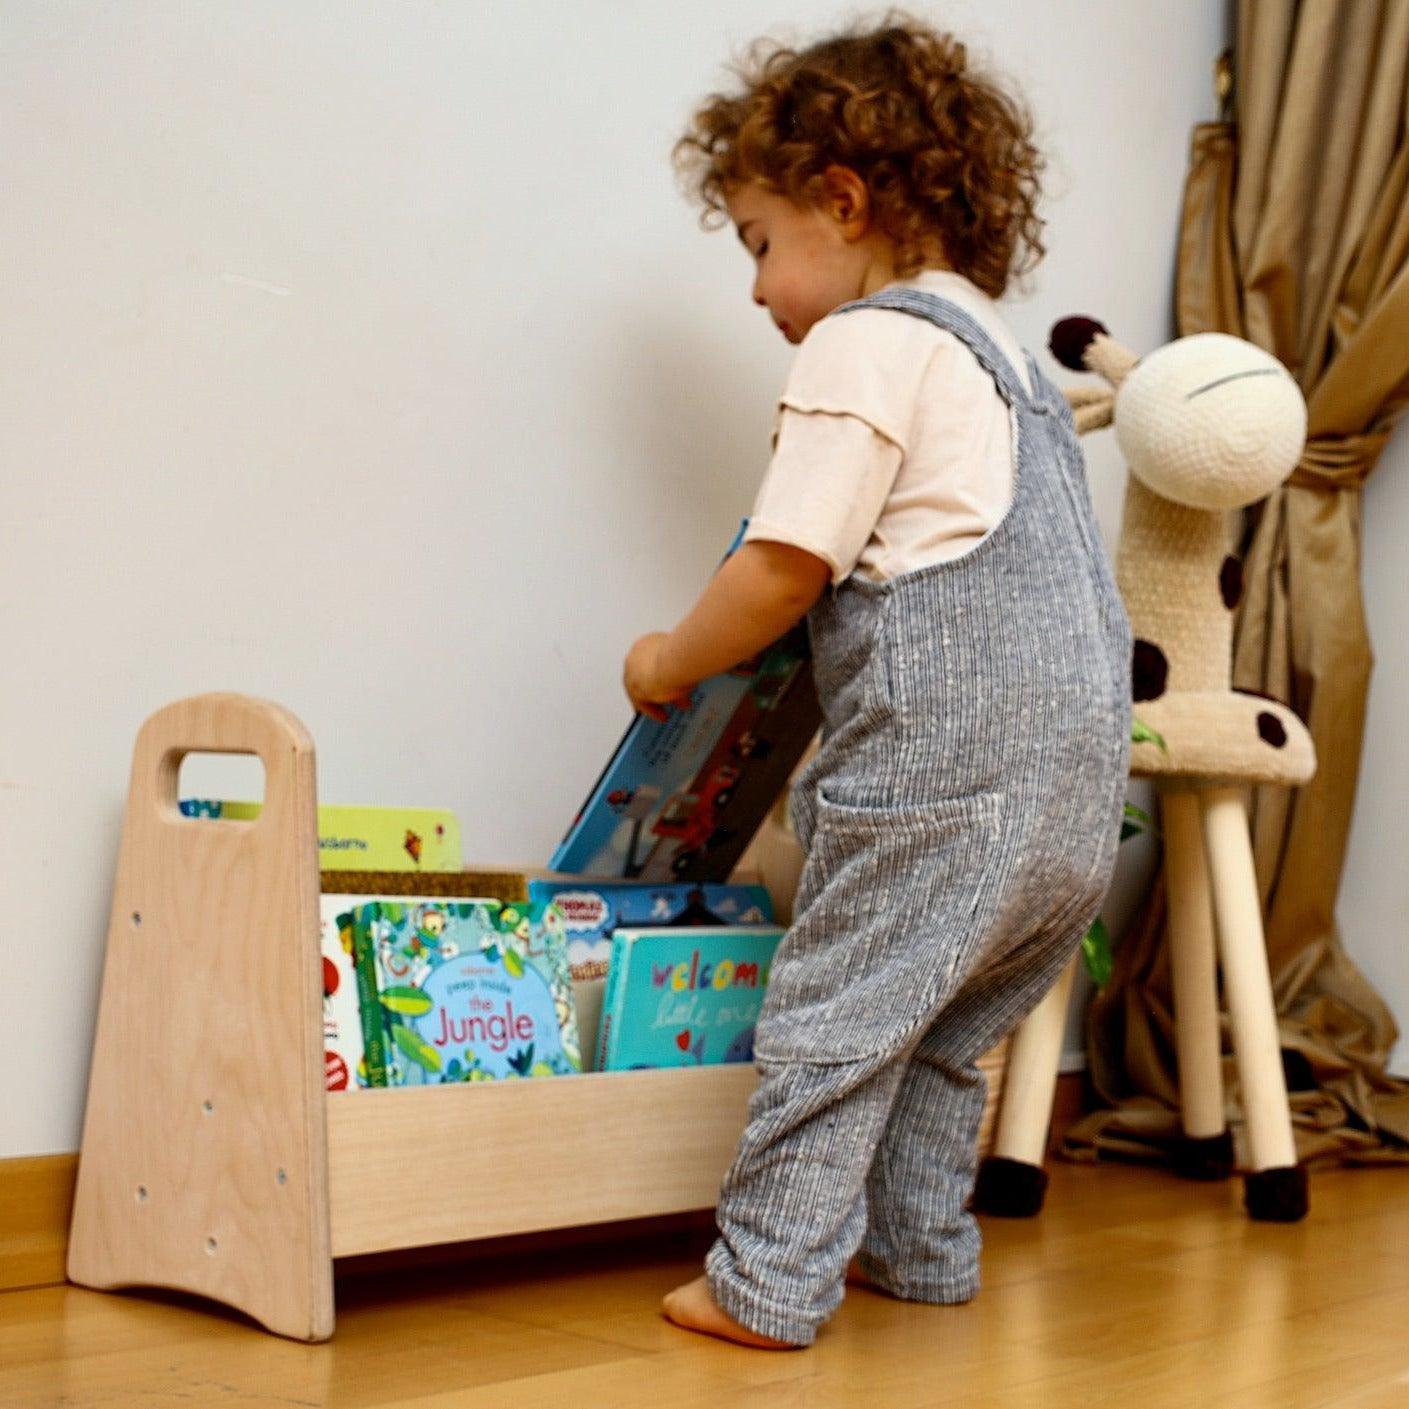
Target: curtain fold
{"points": [[1295, 235]]}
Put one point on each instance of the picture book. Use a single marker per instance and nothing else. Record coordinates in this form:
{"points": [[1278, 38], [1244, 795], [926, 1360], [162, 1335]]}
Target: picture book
{"points": [[453, 990], [364, 838], [342, 892], [681, 800], [684, 997], [343, 1067], [593, 913]]}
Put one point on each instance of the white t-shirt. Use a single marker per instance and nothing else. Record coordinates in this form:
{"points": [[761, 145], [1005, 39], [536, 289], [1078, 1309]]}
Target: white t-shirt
{"points": [[893, 447]]}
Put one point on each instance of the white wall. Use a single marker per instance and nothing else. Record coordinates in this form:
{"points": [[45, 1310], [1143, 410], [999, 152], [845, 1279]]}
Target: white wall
{"points": [[1374, 897], [365, 358]]}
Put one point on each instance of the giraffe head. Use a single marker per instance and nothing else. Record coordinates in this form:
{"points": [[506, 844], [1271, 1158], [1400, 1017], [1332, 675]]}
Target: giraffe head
{"points": [[1208, 421]]}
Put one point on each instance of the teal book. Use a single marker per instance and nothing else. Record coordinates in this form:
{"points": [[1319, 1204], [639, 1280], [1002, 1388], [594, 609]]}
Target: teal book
{"points": [[684, 997], [453, 990]]}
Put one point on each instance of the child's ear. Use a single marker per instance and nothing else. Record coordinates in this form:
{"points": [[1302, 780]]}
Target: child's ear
{"points": [[846, 199]]}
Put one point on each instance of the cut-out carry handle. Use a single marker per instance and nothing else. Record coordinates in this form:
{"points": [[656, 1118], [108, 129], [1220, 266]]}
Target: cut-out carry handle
{"points": [[222, 723], [208, 783]]}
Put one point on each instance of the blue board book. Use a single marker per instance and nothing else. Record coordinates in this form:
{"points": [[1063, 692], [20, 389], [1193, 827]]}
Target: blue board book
{"points": [[684, 997], [592, 914], [681, 800], [462, 991]]}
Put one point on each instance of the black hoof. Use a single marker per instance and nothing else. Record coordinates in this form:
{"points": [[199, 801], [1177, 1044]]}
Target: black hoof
{"points": [[1008, 1188], [1206, 1160], [1277, 1195]]}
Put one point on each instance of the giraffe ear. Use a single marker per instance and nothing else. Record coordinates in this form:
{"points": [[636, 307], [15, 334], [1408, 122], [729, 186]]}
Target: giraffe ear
{"points": [[1091, 407], [1070, 339]]}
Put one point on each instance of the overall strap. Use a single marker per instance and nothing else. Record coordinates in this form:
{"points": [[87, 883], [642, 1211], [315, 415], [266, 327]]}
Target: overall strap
{"points": [[953, 319]]}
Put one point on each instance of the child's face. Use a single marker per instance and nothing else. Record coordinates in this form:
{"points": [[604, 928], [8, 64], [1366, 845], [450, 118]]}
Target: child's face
{"points": [[809, 259]]}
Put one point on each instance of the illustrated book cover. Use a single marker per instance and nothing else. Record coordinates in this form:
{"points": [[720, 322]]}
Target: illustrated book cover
{"points": [[452, 990], [685, 996], [362, 838], [681, 800], [593, 913]]}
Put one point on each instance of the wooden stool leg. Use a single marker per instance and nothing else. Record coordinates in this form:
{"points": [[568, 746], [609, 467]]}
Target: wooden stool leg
{"points": [[1276, 1190], [1011, 1182], [1207, 1150]]}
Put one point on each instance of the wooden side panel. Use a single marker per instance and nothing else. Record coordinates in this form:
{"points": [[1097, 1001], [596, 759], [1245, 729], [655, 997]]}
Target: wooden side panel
{"points": [[204, 1161]]}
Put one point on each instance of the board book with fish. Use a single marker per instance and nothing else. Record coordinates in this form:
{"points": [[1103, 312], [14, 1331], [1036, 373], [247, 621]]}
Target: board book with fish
{"points": [[684, 997], [682, 799]]}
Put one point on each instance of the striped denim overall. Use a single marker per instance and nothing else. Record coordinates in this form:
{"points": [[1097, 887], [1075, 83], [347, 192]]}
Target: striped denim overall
{"points": [[960, 823]]}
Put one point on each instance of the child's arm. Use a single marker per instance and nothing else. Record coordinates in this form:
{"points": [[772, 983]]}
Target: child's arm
{"points": [[761, 590]]}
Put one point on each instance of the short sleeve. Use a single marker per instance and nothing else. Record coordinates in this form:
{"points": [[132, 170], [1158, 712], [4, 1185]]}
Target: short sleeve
{"points": [[826, 485], [868, 364]]}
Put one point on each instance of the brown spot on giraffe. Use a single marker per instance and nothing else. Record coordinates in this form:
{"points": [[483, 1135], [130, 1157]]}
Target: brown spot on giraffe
{"points": [[1272, 730], [1149, 671]]}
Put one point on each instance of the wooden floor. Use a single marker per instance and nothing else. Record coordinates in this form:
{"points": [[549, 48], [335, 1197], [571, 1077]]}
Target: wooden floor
{"points": [[1132, 1289]]}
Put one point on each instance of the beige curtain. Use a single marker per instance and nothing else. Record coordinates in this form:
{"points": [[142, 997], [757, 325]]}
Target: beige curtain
{"points": [[1295, 235]]}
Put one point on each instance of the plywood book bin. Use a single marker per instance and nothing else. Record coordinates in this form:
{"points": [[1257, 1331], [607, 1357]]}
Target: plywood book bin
{"points": [[215, 1162]]}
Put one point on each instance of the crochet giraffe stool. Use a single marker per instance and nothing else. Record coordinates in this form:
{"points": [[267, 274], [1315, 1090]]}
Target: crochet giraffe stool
{"points": [[1207, 424]]}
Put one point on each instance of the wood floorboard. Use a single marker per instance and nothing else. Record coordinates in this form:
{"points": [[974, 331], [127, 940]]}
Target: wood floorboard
{"points": [[1132, 1289]]}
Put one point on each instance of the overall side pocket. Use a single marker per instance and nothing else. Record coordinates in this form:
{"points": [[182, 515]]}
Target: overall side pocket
{"points": [[893, 900]]}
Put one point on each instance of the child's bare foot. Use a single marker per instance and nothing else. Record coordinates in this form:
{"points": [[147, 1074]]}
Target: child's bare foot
{"points": [[693, 1306]]}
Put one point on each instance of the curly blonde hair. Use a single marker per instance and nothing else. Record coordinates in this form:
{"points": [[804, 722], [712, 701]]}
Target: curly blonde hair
{"points": [[946, 154]]}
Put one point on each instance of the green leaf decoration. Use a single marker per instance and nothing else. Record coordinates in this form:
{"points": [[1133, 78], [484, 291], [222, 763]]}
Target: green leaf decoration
{"points": [[420, 1052], [462, 911], [1097, 953], [411, 1002], [394, 911], [1142, 734], [512, 962]]}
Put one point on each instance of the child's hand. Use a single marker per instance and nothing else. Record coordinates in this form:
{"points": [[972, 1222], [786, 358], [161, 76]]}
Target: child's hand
{"points": [[648, 692]]}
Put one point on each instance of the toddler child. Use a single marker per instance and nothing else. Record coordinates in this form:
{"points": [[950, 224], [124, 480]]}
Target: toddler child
{"points": [[926, 508]]}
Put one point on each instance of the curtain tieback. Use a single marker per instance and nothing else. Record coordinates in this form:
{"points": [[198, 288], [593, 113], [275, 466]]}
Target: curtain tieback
{"points": [[1338, 461]]}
